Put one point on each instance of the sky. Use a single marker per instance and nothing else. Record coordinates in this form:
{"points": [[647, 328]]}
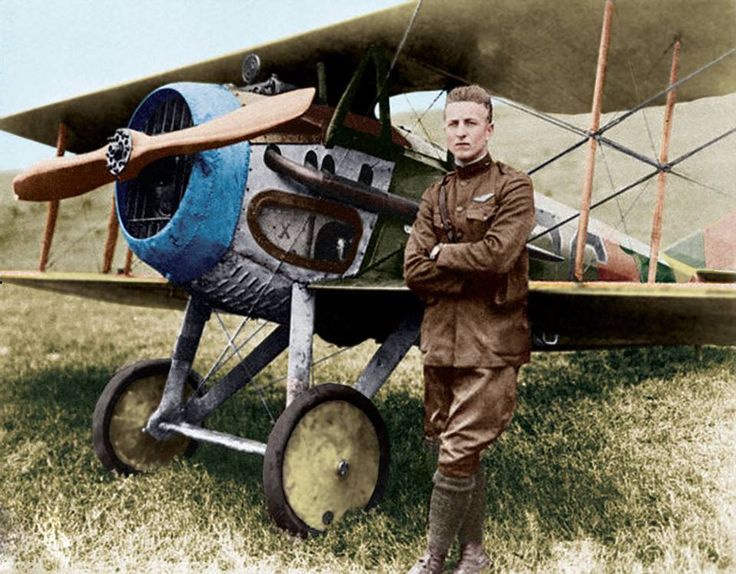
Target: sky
{"points": [[53, 50]]}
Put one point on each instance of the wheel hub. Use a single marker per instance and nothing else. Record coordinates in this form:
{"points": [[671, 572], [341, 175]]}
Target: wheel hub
{"points": [[343, 467]]}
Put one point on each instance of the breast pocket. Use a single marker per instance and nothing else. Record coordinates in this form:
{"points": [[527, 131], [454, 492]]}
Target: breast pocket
{"points": [[479, 219]]}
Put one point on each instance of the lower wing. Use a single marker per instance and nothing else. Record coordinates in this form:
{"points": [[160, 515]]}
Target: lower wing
{"points": [[138, 291], [564, 315]]}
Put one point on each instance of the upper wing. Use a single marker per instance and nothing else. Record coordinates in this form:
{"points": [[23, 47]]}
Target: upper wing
{"points": [[571, 315], [534, 51], [137, 291]]}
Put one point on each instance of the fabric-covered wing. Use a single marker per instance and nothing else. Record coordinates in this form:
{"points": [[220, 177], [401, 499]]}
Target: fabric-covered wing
{"points": [[538, 52], [589, 315], [137, 291], [576, 316]]}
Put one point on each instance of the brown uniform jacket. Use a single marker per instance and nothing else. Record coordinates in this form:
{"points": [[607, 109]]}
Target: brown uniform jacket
{"points": [[476, 290]]}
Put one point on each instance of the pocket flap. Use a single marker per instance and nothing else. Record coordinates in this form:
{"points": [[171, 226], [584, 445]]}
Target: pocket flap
{"points": [[481, 212]]}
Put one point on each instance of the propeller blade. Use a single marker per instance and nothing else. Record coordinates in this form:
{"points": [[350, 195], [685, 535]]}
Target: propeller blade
{"points": [[69, 176], [63, 177]]}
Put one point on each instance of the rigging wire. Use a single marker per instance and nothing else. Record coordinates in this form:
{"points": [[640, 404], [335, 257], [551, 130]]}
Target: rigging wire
{"points": [[53, 260], [577, 130], [612, 184], [700, 148], [381, 89], [222, 360], [431, 104], [596, 204], [419, 120], [652, 64], [667, 90], [265, 386], [236, 351], [650, 136], [399, 49], [668, 167], [700, 183]]}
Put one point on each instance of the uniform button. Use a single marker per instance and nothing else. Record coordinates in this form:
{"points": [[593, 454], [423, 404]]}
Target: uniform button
{"points": [[463, 183], [459, 208], [459, 234]]}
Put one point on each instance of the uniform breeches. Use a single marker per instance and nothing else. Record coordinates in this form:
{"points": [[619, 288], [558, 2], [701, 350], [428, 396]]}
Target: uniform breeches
{"points": [[465, 409]]}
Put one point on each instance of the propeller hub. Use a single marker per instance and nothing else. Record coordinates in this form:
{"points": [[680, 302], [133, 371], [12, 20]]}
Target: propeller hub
{"points": [[119, 148]]}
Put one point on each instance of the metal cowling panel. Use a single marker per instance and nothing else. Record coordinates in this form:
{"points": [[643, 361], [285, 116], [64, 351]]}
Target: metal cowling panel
{"points": [[202, 226]]}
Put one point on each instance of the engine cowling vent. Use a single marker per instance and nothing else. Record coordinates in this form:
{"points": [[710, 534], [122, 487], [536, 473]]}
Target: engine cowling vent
{"points": [[154, 196]]}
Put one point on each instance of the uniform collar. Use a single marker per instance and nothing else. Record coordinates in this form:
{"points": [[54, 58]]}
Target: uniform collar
{"points": [[472, 169]]}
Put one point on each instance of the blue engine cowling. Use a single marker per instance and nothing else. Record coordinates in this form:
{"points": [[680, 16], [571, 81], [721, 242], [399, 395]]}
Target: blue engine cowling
{"points": [[229, 229], [181, 234]]}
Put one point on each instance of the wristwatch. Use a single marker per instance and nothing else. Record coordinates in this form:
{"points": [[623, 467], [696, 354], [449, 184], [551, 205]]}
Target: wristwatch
{"points": [[435, 251]]}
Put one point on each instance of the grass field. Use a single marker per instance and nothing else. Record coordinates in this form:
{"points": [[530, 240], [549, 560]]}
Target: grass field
{"points": [[617, 461]]}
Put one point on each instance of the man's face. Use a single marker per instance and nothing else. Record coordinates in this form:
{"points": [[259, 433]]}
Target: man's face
{"points": [[467, 130]]}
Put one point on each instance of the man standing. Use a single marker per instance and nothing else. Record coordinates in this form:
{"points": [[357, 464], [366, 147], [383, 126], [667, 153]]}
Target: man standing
{"points": [[466, 258]]}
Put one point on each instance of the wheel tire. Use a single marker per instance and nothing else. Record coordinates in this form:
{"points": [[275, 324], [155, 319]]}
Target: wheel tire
{"points": [[326, 429], [122, 411]]}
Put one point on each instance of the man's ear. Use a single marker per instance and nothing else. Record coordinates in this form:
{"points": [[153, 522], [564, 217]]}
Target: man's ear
{"points": [[490, 130]]}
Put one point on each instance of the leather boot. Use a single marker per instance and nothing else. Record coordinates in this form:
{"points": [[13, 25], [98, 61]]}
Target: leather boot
{"points": [[472, 556], [431, 563], [447, 509], [473, 559]]}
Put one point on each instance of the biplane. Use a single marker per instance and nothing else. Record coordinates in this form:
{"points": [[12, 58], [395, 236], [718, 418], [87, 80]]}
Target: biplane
{"points": [[272, 184]]}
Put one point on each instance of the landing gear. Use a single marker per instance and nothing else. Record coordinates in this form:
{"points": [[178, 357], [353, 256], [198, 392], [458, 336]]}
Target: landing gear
{"points": [[327, 454], [122, 411]]}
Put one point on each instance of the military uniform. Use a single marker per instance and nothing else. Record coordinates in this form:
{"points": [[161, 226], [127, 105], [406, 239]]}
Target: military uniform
{"points": [[475, 332]]}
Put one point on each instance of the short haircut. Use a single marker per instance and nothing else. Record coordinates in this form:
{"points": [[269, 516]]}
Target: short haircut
{"points": [[474, 93]]}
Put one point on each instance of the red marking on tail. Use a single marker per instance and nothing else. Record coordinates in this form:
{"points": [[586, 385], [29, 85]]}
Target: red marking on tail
{"points": [[720, 243]]}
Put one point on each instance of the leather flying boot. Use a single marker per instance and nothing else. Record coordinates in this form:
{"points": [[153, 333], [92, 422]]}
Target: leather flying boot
{"points": [[431, 563], [473, 559], [447, 508]]}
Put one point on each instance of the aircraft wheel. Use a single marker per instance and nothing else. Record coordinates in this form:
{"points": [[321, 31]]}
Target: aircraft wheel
{"points": [[327, 454], [122, 411]]}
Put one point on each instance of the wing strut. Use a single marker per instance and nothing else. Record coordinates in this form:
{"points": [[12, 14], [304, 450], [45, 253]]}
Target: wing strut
{"points": [[662, 177], [112, 237], [53, 206], [600, 80]]}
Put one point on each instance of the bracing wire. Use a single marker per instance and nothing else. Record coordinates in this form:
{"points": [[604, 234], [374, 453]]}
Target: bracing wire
{"points": [[380, 89], [419, 119], [399, 49], [584, 133]]}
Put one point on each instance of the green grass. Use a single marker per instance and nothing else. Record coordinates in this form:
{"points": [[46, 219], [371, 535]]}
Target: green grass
{"points": [[615, 462]]}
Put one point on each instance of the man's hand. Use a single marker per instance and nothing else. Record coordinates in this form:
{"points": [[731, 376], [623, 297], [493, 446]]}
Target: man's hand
{"points": [[435, 251]]}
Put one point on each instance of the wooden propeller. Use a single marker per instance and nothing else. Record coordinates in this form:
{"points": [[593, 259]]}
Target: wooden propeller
{"points": [[63, 177]]}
